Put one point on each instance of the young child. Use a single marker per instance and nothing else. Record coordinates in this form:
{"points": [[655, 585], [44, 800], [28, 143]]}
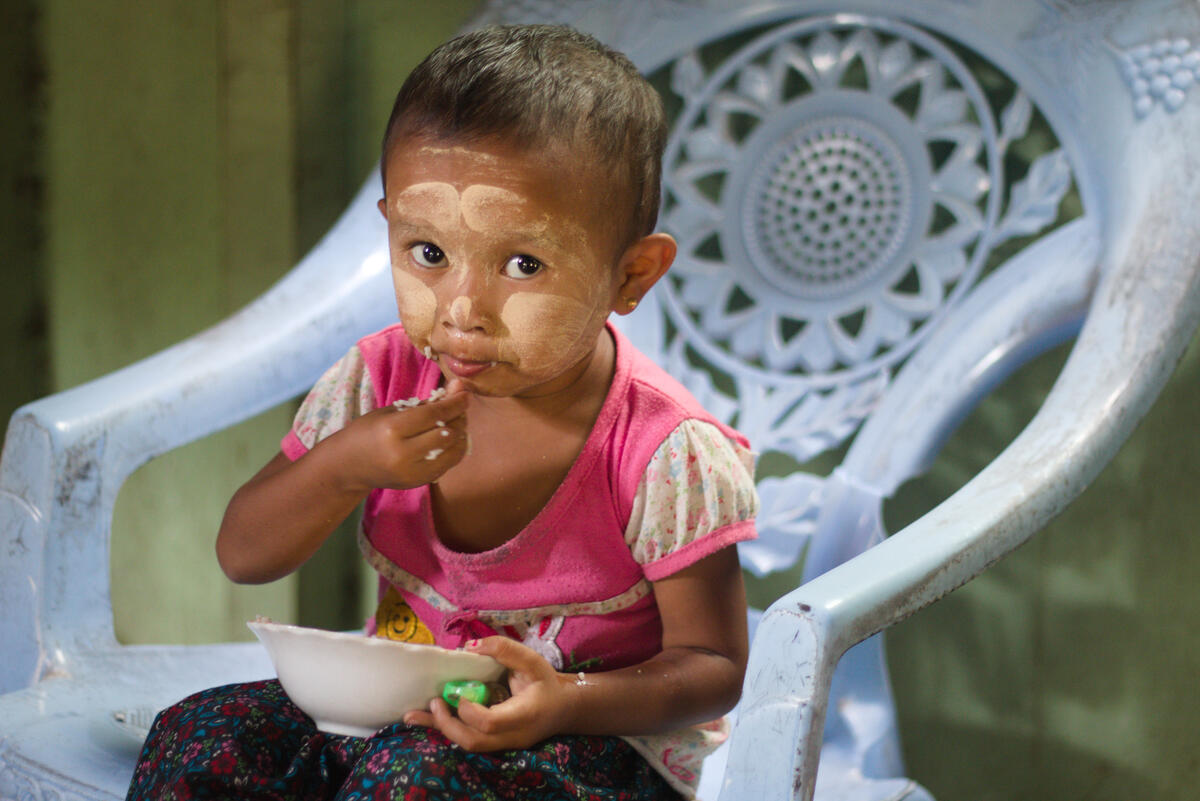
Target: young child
{"points": [[564, 507]]}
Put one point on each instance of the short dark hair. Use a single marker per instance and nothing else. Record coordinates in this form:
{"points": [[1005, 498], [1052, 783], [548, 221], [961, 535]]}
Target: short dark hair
{"points": [[538, 85]]}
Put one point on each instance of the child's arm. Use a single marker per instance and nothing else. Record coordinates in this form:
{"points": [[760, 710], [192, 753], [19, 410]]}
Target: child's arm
{"points": [[279, 518], [697, 676]]}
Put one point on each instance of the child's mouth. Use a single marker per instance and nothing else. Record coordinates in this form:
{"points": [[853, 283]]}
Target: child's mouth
{"points": [[463, 368]]}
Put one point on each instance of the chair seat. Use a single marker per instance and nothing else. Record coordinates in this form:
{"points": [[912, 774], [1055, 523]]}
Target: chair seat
{"points": [[840, 777], [50, 741]]}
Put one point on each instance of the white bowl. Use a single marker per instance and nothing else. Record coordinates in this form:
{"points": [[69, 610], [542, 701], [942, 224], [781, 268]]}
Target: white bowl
{"points": [[354, 684]]}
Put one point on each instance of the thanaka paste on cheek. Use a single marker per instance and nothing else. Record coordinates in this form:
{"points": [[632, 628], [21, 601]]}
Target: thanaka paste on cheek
{"points": [[545, 333], [434, 203], [416, 304]]}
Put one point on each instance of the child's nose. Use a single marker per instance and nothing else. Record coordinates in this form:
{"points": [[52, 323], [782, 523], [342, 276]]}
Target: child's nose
{"points": [[460, 313], [466, 308]]}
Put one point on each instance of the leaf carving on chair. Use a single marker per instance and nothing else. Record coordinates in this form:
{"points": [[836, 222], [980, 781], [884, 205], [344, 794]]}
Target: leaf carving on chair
{"points": [[786, 522], [1034, 201], [687, 75], [1014, 121], [801, 421]]}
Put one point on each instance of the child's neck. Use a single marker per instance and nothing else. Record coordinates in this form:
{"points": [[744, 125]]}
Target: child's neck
{"points": [[522, 450]]}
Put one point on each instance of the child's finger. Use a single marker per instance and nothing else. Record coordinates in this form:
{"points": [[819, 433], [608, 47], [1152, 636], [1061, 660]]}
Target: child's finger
{"points": [[441, 447], [482, 718], [515, 723], [419, 717], [515, 656], [445, 412], [458, 731], [445, 718]]}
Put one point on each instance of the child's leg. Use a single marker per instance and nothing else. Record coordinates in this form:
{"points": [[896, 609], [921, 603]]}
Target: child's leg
{"points": [[240, 741], [418, 764]]}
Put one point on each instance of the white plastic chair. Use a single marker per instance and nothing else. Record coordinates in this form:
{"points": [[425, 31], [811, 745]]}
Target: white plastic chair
{"points": [[859, 261]]}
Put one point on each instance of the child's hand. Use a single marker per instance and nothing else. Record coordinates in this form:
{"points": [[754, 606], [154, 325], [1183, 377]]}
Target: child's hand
{"points": [[541, 697], [400, 448]]}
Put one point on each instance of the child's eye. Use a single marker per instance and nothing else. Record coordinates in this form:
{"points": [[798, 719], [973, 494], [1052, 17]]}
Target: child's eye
{"points": [[522, 267], [427, 255]]}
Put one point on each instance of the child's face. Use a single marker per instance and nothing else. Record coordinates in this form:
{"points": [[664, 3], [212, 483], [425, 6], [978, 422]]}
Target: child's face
{"points": [[504, 261]]}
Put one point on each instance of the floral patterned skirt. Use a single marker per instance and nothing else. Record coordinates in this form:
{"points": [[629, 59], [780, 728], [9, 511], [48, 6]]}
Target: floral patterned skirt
{"points": [[248, 741]]}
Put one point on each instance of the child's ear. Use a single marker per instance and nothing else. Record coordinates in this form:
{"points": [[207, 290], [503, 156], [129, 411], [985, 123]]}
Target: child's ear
{"points": [[382, 204], [641, 265]]}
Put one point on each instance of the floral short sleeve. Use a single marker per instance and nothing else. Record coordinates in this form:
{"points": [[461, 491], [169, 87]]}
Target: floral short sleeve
{"points": [[342, 394], [696, 489]]}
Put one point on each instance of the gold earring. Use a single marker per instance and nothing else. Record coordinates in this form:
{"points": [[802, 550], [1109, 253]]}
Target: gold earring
{"points": [[631, 303]]}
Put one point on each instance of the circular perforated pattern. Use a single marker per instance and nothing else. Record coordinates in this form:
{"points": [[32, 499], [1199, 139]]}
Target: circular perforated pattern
{"points": [[828, 207]]}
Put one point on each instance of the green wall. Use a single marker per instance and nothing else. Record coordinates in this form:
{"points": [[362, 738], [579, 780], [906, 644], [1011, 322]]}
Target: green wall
{"points": [[165, 162], [1067, 670]]}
